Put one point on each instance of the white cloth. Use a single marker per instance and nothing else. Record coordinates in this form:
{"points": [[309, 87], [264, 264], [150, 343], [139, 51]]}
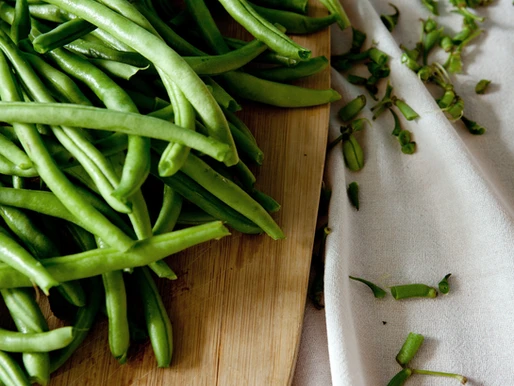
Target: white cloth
{"points": [[447, 208]]}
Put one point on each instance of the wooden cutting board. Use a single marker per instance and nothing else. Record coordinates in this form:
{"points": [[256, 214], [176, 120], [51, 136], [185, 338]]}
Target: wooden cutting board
{"points": [[237, 307]]}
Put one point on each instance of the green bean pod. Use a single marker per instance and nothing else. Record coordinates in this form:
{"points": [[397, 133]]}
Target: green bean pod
{"points": [[353, 154], [409, 348], [10, 372], [352, 108], [263, 30], [170, 210], [222, 97], [20, 28], [413, 290], [61, 35], [98, 261], [400, 378], [35, 342], [293, 22], [285, 74], [207, 26], [299, 6], [157, 320], [100, 51], [233, 60], [276, 94]]}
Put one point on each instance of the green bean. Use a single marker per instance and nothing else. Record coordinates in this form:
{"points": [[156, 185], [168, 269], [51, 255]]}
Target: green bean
{"points": [[208, 29], [409, 349], [10, 372], [267, 202], [335, 8], [61, 35], [103, 119], [352, 108], [293, 22], [352, 153], [59, 84], [14, 154], [10, 169], [233, 60], [162, 56], [224, 99], [17, 257], [443, 285], [481, 86], [28, 318], [194, 217], [413, 290], [116, 305], [192, 191], [20, 28], [49, 171], [353, 194], [35, 342], [462, 379], [240, 125], [170, 210], [284, 74], [157, 320], [378, 292], [98, 261], [246, 146], [299, 6], [48, 12], [82, 323], [117, 69], [472, 126], [269, 57], [231, 194], [100, 51], [245, 176], [263, 30], [405, 109], [276, 94]]}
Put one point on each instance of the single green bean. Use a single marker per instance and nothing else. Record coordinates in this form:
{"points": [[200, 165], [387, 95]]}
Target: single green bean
{"points": [[207, 26], [61, 35], [231, 194], [400, 378], [195, 216], [276, 94], [285, 74], [240, 125], [246, 146], [20, 28], [17, 257], [233, 60], [409, 349], [103, 119], [263, 30], [98, 261], [157, 320], [35, 342], [10, 372], [48, 12], [267, 202], [299, 6], [352, 108], [14, 154], [169, 212], [413, 290], [117, 69], [293, 22], [222, 97]]}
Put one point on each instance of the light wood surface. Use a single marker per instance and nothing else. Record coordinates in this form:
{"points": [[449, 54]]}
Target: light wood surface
{"points": [[237, 307]]}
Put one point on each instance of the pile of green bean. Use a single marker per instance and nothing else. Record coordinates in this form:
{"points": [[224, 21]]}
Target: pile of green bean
{"points": [[120, 146]]}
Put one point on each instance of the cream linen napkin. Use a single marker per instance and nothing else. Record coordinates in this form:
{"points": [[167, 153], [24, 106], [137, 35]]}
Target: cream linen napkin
{"points": [[447, 208]]}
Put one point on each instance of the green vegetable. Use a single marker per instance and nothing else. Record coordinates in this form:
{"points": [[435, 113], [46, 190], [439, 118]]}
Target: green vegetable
{"points": [[400, 378], [444, 287], [352, 153], [431, 5], [462, 379], [390, 21], [378, 292], [352, 108], [409, 349], [353, 194], [481, 86], [472, 126], [412, 291]]}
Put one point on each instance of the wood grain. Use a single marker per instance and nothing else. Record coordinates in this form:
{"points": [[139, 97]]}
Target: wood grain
{"points": [[237, 307]]}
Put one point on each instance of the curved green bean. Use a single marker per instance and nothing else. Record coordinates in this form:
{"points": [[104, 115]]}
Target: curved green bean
{"points": [[276, 94], [263, 30], [170, 210], [157, 320], [104, 119], [224, 99], [233, 60], [61, 35], [293, 22], [14, 154], [98, 261], [10, 372], [246, 146], [287, 74], [207, 26], [100, 51], [35, 342]]}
